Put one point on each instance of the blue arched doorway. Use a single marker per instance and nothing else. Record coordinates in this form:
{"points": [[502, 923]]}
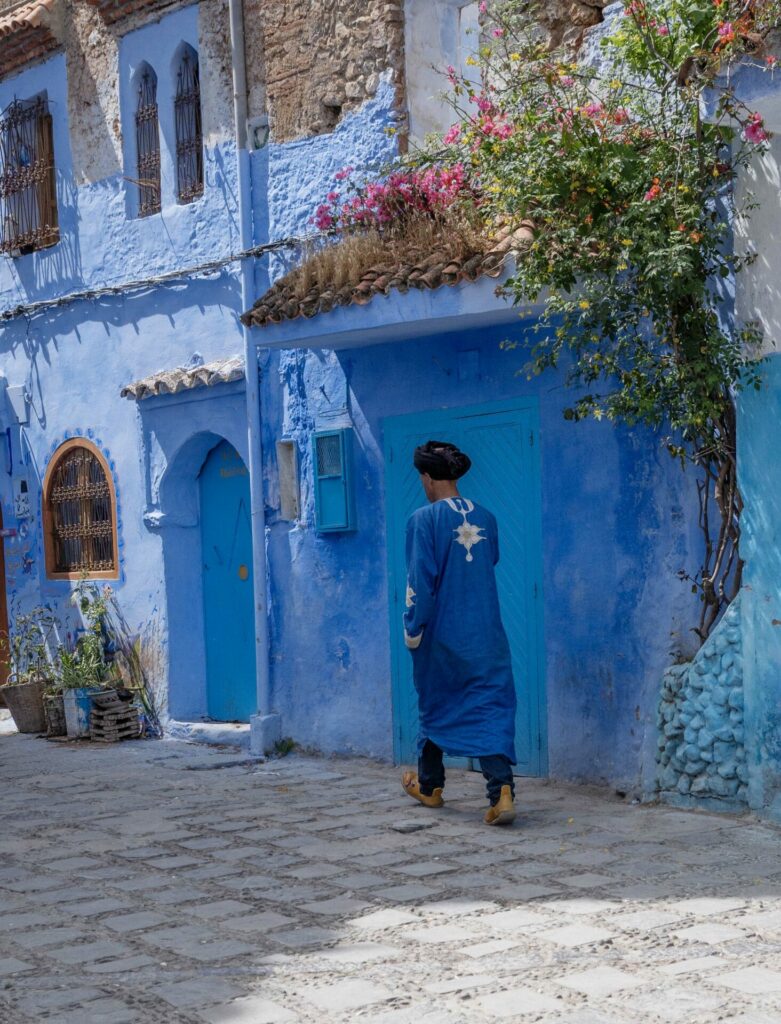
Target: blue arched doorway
{"points": [[228, 604]]}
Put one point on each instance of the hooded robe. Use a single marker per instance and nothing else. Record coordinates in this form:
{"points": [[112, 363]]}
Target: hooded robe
{"points": [[461, 658]]}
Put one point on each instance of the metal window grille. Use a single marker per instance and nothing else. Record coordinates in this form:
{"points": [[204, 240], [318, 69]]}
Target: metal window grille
{"points": [[189, 135], [148, 146], [28, 192], [329, 455], [82, 514]]}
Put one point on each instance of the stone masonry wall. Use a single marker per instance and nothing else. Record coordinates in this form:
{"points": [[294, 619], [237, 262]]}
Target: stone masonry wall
{"points": [[311, 61], [702, 758], [564, 22]]}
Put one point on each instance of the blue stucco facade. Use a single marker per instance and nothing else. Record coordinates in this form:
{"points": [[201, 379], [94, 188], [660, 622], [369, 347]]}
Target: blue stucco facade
{"points": [[616, 523], [618, 515]]}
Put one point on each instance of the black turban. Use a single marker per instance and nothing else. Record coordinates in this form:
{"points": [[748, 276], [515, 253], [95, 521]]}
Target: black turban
{"points": [[442, 461]]}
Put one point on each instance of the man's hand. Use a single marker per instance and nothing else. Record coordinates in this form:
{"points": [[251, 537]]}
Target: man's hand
{"points": [[413, 642]]}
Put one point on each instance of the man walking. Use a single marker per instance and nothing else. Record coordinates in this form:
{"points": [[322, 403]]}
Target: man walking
{"points": [[452, 626]]}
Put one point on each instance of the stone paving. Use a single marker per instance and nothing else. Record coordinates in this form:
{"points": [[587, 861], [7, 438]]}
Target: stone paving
{"points": [[165, 883]]}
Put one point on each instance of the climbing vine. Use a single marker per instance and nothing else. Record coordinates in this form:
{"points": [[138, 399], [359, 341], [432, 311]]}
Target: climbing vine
{"points": [[624, 165]]}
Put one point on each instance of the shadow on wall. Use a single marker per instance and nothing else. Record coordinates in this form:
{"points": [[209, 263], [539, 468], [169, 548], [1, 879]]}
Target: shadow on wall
{"points": [[59, 268]]}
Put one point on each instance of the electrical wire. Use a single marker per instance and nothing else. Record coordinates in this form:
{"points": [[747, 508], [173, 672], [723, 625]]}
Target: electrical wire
{"points": [[31, 309]]}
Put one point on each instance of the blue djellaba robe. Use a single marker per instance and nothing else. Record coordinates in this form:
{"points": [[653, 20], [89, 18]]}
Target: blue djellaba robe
{"points": [[461, 658]]}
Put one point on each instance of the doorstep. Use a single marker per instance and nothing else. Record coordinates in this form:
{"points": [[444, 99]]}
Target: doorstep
{"points": [[219, 734]]}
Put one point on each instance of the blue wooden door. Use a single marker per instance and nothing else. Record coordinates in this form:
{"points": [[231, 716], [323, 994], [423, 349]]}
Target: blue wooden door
{"points": [[502, 442], [228, 603]]}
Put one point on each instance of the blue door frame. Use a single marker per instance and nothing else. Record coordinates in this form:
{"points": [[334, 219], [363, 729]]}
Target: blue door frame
{"points": [[502, 438]]}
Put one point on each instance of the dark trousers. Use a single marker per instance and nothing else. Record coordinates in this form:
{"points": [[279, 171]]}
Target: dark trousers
{"points": [[496, 770]]}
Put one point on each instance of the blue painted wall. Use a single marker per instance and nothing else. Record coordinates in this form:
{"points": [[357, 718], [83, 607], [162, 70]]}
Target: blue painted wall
{"points": [[75, 359], [617, 513], [617, 525], [759, 438]]}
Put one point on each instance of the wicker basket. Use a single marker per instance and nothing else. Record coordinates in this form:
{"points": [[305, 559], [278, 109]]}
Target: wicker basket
{"points": [[55, 715], [25, 702]]}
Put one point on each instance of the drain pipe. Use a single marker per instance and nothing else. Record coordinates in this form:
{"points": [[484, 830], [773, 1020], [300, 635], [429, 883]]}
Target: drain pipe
{"points": [[265, 727]]}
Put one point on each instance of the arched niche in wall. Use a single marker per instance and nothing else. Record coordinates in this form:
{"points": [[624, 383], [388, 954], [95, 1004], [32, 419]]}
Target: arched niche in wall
{"points": [[80, 514], [188, 124], [147, 139]]}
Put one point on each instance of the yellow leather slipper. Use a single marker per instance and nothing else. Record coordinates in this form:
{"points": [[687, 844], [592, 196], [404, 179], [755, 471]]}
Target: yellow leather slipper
{"points": [[409, 781], [503, 812]]}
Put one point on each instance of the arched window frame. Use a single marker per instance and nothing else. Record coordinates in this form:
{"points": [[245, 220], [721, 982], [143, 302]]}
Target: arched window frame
{"points": [[147, 124], [52, 572], [188, 120]]}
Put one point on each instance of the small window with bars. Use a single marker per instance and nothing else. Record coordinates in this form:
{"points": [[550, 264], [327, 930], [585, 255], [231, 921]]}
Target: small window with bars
{"points": [[28, 190], [189, 134], [147, 143], [80, 514]]}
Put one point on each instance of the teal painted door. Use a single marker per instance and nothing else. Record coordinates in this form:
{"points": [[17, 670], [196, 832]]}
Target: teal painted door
{"points": [[228, 602], [501, 440]]}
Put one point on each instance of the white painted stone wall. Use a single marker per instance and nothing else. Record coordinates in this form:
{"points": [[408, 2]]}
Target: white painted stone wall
{"points": [[436, 33], [758, 288]]}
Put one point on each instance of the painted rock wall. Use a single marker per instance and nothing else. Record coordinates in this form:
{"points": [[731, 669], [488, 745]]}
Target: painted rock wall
{"points": [[702, 756]]}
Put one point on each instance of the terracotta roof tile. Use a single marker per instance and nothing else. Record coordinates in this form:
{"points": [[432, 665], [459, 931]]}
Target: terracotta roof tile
{"points": [[430, 272], [21, 16], [184, 378]]}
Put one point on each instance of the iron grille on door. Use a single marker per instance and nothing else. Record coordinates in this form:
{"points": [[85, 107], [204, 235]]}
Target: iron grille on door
{"points": [[189, 136], [28, 193], [148, 145], [82, 515]]}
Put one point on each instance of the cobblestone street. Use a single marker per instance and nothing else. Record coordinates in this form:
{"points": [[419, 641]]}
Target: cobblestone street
{"points": [[160, 882]]}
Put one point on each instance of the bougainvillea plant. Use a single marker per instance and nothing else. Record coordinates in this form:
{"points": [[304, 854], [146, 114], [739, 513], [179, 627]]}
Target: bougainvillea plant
{"points": [[626, 166], [355, 204]]}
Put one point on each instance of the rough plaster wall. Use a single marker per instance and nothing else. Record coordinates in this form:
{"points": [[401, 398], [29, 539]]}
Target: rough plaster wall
{"points": [[92, 54], [311, 61], [758, 295], [93, 95], [214, 61]]}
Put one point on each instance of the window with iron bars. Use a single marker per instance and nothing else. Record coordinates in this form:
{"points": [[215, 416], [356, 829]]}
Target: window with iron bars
{"points": [[189, 136], [28, 190], [148, 145], [79, 514]]}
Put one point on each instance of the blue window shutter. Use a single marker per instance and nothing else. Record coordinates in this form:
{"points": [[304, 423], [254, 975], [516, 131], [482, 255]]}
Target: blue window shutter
{"points": [[334, 492]]}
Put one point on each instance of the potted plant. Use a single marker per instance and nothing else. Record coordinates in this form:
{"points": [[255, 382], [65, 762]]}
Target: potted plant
{"points": [[85, 669], [30, 668], [54, 709]]}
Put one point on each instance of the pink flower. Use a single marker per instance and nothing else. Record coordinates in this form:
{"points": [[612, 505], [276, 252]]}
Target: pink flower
{"points": [[726, 32], [663, 30], [567, 81], [653, 192], [483, 6], [332, 197], [755, 130], [323, 218], [452, 134], [344, 173], [498, 33], [771, 61], [593, 110]]}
